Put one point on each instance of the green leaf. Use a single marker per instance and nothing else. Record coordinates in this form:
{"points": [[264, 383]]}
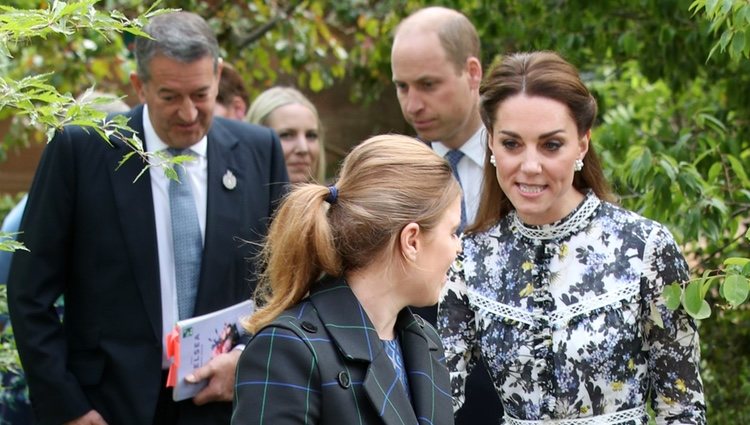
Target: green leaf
{"points": [[693, 300], [10, 245], [711, 6], [672, 294], [739, 169], [316, 81], [736, 289], [669, 167], [738, 44], [714, 171], [704, 312], [736, 261], [124, 159], [746, 270]]}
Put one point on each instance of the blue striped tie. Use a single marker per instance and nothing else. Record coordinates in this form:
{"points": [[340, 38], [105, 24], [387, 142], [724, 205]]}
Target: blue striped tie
{"points": [[186, 235], [454, 156]]}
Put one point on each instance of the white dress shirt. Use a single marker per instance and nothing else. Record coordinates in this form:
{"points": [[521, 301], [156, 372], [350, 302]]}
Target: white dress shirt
{"points": [[197, 176], [470, 169]]}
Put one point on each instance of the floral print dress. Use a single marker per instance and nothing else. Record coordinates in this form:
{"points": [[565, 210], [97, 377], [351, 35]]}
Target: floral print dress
{"points": [[570, 322]]}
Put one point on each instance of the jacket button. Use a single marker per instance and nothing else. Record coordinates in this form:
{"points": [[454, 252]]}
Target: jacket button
{"points": [[309, 327], [344, 380]]}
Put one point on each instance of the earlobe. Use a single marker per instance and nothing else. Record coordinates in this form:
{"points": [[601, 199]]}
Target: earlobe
{"points": [[409, 241]]}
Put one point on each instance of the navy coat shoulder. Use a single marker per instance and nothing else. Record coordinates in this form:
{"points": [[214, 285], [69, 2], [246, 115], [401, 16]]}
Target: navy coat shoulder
{"points": [[322, 362], [90, 229]]}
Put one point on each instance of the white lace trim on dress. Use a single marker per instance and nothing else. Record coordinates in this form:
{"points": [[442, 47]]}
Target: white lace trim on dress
{"points": [[615, 418], [558, 317]]}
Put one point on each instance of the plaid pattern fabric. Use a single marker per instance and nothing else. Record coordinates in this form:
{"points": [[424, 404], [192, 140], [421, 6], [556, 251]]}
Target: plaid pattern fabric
{"points": [[322, 362]]}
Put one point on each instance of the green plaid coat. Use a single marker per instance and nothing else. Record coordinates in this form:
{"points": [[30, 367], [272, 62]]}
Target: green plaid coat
{"points": [[321, 362]]}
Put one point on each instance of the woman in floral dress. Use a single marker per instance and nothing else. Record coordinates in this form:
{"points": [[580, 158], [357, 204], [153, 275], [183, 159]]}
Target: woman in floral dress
{"points": [[558, 288]]}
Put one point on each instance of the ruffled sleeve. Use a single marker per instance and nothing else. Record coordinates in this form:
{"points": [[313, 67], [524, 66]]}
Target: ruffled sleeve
{"points": [[457, 327], [670, 337]]}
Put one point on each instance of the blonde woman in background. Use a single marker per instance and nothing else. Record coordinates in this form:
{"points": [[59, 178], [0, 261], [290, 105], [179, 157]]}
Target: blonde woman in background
{"points": [[296, 120]]}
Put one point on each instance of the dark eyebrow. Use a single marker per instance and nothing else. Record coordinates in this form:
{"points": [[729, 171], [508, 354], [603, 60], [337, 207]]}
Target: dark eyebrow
{"points": [[165, 90], [541, 136], [419, 80]]}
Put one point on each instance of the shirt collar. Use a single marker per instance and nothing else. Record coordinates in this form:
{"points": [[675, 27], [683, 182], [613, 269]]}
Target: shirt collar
{"points": [[155, 144], [474, 148]]}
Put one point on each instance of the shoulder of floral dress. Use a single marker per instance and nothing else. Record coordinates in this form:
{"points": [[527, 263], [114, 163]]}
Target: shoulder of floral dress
{"points": [[630, 221]]}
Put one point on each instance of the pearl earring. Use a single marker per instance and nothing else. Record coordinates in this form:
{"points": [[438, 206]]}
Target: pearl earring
{"points": [[492, 160], [578, 165]]}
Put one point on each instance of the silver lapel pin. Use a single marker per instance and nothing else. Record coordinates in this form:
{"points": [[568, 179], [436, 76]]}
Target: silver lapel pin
{"points": [[229, 180]]}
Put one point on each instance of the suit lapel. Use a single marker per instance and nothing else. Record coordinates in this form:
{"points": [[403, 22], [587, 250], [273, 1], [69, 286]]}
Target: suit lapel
{"points": [[428, 381], [387, 393], [136, 215], [353, 333], [223, 217]]}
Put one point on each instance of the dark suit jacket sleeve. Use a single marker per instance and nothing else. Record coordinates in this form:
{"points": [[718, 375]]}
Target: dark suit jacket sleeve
{"points": [[38, 277], [278, 171], [278, 381]]}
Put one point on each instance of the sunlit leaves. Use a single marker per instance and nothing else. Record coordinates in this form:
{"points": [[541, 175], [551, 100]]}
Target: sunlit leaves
{"points": [[730, 18], [65, 18], [9, 244]]}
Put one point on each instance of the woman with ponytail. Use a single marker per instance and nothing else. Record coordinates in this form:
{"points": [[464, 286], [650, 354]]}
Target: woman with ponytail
{"points": [[334, 341]]}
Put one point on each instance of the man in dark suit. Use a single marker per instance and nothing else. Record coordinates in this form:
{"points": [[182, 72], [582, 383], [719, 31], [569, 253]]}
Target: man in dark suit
{"points": [[435, 61], [104, 237]]}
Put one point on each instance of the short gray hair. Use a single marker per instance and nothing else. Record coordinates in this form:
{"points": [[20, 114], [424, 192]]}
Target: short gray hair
{"points": [[182, 36]]}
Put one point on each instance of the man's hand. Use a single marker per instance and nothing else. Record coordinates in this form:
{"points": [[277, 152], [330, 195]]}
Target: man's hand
{"points": [[91, 418], [220, 372]]}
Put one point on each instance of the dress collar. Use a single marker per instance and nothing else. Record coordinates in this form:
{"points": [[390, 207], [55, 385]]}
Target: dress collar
{"points": [[579, 218]]}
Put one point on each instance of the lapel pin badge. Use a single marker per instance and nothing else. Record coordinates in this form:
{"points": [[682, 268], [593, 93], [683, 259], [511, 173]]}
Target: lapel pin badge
{"points": [[229, 180]]}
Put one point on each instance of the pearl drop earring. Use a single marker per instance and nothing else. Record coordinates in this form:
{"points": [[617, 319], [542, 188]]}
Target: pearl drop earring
{"points": [[492, 160], [578, 165]]}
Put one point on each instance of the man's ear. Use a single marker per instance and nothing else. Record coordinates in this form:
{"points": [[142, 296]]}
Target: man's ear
{"points": [[238, 108], [409, 241], [219, 68], [137, 84], [474, 69]]}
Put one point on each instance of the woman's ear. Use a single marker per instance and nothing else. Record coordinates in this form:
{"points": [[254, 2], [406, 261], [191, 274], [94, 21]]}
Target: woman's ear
{"points": [[409, 241], [584, 143]]}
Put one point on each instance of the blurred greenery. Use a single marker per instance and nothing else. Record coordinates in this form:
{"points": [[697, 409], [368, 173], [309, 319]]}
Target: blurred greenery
{"points": [[672, 79]]}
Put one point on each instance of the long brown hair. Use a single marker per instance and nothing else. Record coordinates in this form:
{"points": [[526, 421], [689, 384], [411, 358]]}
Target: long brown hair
{"points": [[386, 182], [543, 74]]}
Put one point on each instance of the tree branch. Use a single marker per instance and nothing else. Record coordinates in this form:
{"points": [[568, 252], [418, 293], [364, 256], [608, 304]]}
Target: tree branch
{"points": [[260, 31]]}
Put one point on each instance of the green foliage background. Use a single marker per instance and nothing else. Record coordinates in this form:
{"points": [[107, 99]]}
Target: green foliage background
{"points": [[671, 77]]}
